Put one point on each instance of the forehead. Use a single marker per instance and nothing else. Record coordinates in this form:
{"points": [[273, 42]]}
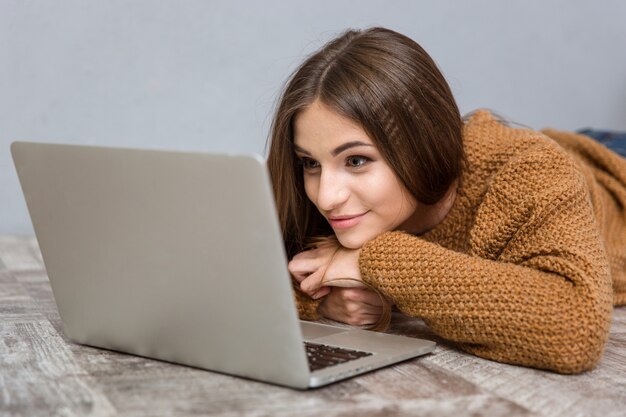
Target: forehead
{"points": [[318, 124]]}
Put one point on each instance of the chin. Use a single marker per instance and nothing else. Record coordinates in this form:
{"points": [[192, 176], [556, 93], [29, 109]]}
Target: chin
{"points": [[349, 242], [355, 239]]}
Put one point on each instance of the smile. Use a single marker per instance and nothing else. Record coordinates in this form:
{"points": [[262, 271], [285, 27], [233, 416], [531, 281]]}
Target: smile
{"points": [[346, 222]]}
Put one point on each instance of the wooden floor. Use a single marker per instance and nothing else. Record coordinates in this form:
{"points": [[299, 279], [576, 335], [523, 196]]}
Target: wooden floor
{"points": [[42, 374]]}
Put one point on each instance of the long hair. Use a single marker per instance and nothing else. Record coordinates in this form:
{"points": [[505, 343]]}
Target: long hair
{"points": [[390, 86]]}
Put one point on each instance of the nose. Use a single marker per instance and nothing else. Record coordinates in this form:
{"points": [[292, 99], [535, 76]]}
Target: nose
{"points": [[332, 192]]}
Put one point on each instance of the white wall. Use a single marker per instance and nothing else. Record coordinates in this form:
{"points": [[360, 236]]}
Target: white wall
{"points": [[204, 75]]}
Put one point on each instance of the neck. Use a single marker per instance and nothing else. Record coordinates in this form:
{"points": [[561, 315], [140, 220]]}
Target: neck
{"points": [[426, 217]]}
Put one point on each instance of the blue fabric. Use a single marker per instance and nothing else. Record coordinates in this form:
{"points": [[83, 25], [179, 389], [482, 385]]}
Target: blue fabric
{"points": [[616, 141]]}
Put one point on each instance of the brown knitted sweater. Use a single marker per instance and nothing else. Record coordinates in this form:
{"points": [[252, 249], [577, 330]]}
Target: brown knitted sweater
{"points": [[529, 261]]}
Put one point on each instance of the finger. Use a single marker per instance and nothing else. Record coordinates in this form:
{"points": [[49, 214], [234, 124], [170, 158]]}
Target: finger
{"points": [[303, 265], [336, 307], [313, 282], [354, 315], [345, 283], [306, 263], [301, 269], [355, 308], [370, 298], [321, 292], [360, 295], [306, 254]]}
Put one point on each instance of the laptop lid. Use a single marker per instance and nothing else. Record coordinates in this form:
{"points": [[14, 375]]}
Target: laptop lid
{"points": [[171, 255]]}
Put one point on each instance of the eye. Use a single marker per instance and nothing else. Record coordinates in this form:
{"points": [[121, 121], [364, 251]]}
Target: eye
{"points": [[308, 163], [357, 161]]}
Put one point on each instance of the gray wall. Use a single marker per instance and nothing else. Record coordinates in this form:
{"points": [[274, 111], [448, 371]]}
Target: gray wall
{"points": [[204, 75]]}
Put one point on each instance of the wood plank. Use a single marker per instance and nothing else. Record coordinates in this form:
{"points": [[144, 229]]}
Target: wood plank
{"points": [[42, 373], [20, 253], [38, 376], [600, 391], [16, 304], [35, 284]]}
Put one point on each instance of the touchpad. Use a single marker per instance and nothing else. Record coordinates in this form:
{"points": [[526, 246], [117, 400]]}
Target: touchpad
{"points": [[314, 330]]}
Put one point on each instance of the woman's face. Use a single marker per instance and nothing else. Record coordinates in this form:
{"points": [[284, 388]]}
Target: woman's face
{"points": [[347, 179]]}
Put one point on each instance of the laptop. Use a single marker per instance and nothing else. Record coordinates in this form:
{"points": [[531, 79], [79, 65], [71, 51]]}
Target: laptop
{"points": [[178, 256]]}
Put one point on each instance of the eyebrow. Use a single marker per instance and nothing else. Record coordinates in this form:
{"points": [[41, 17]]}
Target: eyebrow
{"points": [[337, 150]]}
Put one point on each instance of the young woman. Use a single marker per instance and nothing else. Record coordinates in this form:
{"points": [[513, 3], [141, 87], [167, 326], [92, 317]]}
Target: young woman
{"points": [[509, 242]]}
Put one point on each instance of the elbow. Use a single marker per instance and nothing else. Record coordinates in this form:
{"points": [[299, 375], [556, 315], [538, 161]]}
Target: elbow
{"points": [[580, 351], [569, 349], [582, 340], [575, 358], [573, 338], [562, 358]]}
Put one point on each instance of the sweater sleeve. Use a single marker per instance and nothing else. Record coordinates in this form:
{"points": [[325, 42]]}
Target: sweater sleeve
{"points": [[306, 306], [534, 287]]}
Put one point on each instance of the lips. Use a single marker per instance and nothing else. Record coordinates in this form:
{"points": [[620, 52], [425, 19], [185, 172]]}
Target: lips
{"points": [[344, 222]]}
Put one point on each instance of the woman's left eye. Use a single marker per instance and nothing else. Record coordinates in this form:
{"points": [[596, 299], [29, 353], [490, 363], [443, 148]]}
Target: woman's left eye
{"points": [[357, 161]]}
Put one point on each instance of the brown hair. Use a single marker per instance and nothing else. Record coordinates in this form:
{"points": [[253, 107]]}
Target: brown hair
{"points": [[390, 86]]}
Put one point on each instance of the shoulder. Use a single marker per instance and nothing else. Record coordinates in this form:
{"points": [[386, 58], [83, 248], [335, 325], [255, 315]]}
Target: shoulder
{"points": [[517, 177], [519, 160], [521, 184]]}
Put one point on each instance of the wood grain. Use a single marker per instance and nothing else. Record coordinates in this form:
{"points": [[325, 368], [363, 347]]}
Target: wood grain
{"points": [[43, 374]]}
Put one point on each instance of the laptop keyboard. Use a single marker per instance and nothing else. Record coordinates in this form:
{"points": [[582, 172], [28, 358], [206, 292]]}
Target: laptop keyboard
{"points": [[323, 356]]}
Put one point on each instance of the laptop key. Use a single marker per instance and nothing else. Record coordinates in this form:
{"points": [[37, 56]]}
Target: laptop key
{"points": [[322, 356]]}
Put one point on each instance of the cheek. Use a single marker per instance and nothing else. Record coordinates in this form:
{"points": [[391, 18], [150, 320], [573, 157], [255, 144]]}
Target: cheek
{"points": [[310, 188], [383, 189], [392, 199]]}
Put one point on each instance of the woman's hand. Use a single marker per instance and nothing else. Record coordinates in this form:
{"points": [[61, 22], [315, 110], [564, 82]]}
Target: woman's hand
{"points": [[311, 265], [328, 264], [354, 306], [332, 271]]}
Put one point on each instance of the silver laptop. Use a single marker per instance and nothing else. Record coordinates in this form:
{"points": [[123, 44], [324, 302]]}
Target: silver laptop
{"points": [[178, 256]]}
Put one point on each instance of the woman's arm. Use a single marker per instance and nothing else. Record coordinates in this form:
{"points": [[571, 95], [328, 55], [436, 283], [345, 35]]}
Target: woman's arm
{"points": [[533, 290], [327, 282]]}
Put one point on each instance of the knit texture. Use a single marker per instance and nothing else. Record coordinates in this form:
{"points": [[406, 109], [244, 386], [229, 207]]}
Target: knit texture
{"points": [[605, 172], [520, 271]]}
